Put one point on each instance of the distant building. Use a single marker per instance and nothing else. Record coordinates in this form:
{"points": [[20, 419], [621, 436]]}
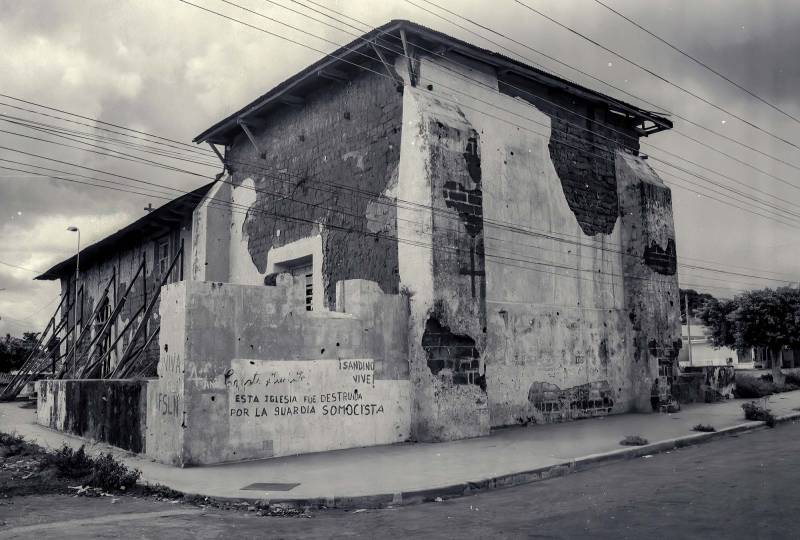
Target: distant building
{"points": [[413, 239], [703, 352]]}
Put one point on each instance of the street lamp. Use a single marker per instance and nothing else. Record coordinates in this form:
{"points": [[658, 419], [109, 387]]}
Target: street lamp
{"points": [[72, 228]]}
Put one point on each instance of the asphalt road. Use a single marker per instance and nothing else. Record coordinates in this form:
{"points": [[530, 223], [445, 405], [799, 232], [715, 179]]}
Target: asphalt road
{"points": [[747, 486]]}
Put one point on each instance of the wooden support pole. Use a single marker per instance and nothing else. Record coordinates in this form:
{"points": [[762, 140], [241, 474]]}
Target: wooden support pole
{"points": [[386, 65]]}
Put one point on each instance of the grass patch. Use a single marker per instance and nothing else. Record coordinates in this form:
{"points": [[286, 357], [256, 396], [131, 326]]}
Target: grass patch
{"points": [[704, 428], [754, 411], [634, 440]]}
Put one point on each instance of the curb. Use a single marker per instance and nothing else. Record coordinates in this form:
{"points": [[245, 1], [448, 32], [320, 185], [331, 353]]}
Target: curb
{"points": [[462, 489]]}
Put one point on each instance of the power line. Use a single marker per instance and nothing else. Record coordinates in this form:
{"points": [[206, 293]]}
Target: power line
{"points": [[99, 121], [114, 156], [583, 128], [19, 267], [606, 83], [491, 104], [536, 97], [246, 209], [656, 75], [724, 187], [696, 61]]}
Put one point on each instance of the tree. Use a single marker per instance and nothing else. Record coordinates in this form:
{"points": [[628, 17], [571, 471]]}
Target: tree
{"points": [[767, 318], [715, 316], [697, 301], [14, 351]]}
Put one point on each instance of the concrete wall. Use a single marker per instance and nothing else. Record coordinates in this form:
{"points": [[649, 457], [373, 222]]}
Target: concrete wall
{"points": [[547, 292], [111, 411], [246, 372]]}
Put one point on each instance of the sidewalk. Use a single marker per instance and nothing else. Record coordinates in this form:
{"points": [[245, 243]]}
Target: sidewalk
{"points": [[404, 473]]}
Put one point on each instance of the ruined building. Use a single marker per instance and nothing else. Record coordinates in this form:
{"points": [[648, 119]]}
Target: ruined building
{"points": [[413, 239]]}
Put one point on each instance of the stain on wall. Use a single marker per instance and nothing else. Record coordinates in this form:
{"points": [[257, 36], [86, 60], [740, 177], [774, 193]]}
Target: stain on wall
{"points": [[663, 261], [114, 412]]}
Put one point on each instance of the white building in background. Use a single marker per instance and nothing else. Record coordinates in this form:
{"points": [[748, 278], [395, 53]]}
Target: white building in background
{"points": [[703, 353]]}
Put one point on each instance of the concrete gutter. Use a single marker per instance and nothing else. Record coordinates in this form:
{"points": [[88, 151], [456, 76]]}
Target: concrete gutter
{"points": [[463, 489]]}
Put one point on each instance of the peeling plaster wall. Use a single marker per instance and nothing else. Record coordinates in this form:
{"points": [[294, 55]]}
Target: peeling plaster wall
{"points": [[651, 289], [327, 167], [256, 375], [559, 341]]}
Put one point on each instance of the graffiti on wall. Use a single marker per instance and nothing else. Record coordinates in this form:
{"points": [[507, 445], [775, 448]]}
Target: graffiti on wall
{"points": [[288, 392]]}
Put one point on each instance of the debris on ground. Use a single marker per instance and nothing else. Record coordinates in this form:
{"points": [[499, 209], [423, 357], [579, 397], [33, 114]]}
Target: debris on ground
{"points": [[634, 440]]}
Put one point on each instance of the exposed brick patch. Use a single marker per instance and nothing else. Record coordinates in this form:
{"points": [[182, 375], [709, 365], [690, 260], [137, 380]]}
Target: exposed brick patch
{"points": [[452, 355], [351, 138], [556, 405], [588, 178], [583, 140]]}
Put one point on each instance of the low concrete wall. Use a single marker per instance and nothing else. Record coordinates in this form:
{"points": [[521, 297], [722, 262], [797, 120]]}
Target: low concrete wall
{"points": [[705, 384], [111, 411], [247, 373]]}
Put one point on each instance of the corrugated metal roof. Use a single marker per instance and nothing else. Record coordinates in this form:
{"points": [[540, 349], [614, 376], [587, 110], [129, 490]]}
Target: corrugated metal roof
{"points": [[158, 219]]}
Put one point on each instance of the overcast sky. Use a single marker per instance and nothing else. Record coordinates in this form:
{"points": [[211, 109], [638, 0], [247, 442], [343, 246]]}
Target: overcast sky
{"points": [[167, 68]]}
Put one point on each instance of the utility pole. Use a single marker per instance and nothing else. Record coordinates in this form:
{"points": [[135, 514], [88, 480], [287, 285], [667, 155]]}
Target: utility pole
{"points": [[76, 329], [688, 328]]}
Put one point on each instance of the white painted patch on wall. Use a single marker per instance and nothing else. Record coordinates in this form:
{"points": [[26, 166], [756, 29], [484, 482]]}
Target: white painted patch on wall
{"points": [[301, 251], [242, 268]]}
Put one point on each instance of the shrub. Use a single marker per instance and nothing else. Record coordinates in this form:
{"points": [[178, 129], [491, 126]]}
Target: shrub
{"points": [[705, 428], [634, 440], [69, 463], [10, 439], [753, 411], [792, 377], [102, 472], [752, 387], [111, 475], [12, 444]]}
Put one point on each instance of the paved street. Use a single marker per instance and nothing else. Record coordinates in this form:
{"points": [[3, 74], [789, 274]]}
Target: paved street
{"points": [[745, 486], [406, 467]]}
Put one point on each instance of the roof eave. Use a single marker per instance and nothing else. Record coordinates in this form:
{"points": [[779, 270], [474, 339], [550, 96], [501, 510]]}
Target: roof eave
{"points": [[219, 132]]}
